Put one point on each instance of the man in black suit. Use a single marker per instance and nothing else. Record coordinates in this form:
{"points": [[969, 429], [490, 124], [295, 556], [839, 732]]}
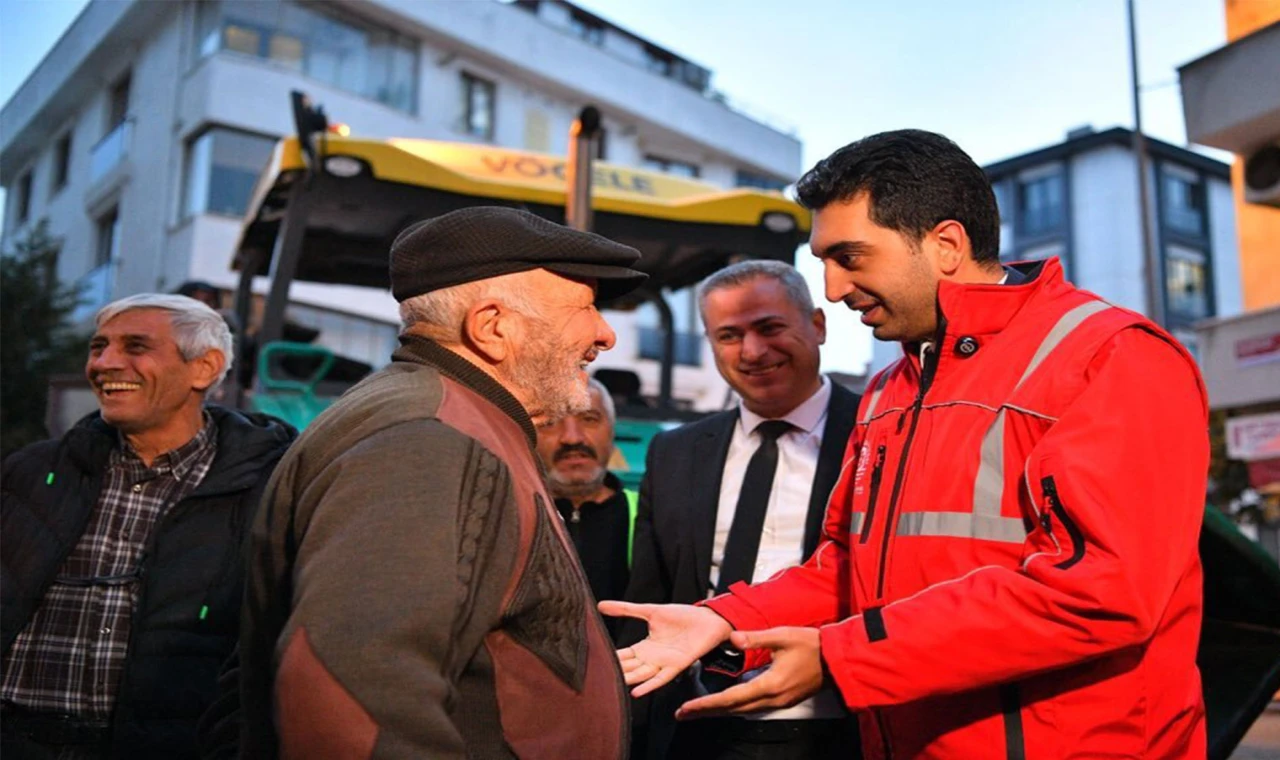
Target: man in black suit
{"points": [[741, 495]]}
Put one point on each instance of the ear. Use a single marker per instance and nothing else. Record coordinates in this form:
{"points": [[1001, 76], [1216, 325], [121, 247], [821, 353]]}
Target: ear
{"points": [[953, 246], [207, 368], [488, 329], [820, 325]]}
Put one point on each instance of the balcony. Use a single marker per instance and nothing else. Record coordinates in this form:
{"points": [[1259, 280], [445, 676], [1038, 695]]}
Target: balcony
{"points": [[110, 151], [688, 348]]}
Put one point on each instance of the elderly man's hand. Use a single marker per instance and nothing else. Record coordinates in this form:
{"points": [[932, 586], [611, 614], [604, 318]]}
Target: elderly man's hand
{"points": [[678, 635], [795, 675]]}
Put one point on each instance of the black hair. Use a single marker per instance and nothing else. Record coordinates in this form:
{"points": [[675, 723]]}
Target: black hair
{"points": [[914, 180]]}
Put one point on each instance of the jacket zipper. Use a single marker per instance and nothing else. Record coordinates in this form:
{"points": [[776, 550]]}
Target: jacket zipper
{"points": [[1073, 530], [927, 371], [1015, 745], [876, 474], [885, 746]]}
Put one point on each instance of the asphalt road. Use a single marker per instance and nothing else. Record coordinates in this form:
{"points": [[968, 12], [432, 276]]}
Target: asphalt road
{"points": [[1263, 740]]}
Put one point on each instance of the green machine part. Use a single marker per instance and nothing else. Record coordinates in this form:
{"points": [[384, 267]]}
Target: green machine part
{"points": [[294, 401], [630, 442]]}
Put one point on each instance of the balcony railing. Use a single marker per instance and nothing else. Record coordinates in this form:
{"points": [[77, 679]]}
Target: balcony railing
{"points": [[110, 150], [688, 348], [95, 292]]}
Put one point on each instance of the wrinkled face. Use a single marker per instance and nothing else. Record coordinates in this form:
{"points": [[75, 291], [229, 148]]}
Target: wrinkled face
{"points": [[138, 374], [549, 366], [576, 449], [765, 346], [876, 271]]}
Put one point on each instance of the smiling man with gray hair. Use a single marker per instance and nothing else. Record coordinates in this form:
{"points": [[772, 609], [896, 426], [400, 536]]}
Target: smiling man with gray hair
{"points": [[122, 567]]}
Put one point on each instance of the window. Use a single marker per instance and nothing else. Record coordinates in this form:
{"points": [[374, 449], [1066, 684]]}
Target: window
{"points": [[61, 162], [317, 40], [671, 166], [118, 104], [751, 179], [108, 238], [477, 106], [1183, 199], [1041, 202], [588, 29], [114, 146], [22, 204], [659, 62], [1187, 283], [221, 169]]}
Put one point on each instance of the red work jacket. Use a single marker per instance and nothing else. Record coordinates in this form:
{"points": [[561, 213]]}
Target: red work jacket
{"points": [[1010, 564]]}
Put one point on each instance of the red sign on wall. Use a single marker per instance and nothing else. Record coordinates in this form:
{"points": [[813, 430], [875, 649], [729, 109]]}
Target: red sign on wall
{"points": [[1258, 350]]}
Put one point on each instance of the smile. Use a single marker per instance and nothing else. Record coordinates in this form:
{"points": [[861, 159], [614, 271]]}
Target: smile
{"points": [[118, 387], [759, 371]]}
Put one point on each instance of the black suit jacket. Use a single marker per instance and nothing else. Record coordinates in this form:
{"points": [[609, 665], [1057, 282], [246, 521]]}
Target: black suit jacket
{"points": [[680, 494], [675, 531]]}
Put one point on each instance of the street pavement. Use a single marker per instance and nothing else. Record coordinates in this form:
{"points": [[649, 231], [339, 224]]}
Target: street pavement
{"points": [[1263, 740]]}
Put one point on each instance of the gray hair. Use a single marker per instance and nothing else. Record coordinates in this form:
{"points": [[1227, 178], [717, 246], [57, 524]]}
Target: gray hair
{"points": [[197, 328], [734, 275], [606, 400], [443, 310]]}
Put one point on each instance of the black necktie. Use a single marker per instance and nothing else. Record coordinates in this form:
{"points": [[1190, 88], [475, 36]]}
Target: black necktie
{"points": [[753, 501]]}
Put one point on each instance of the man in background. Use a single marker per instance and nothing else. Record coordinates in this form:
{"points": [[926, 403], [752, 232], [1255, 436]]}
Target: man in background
{"points": [[740, 495], [575, 450]]}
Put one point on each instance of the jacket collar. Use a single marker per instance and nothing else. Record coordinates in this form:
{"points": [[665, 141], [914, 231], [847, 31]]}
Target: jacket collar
{"points": [[247, 442], [980, 310], [983, 309], [420, 350]]}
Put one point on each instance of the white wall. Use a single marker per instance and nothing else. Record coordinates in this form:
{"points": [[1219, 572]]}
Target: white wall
{"points": [[1227, 286], [1107, 236]]}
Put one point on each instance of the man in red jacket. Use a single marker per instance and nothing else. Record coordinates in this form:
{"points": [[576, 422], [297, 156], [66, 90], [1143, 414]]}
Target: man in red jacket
{"points": [[1010, 565]]}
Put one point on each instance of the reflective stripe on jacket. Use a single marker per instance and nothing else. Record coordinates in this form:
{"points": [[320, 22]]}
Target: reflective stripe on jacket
{"points": [[1010, 563]]}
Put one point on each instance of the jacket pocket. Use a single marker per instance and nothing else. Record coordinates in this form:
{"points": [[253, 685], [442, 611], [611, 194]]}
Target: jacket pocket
{"points": [[1015, 742], [877, 473], [1055, 507]]}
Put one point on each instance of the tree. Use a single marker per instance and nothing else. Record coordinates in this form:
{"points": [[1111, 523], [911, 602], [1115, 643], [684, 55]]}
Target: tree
{"points": [[37, 339]]}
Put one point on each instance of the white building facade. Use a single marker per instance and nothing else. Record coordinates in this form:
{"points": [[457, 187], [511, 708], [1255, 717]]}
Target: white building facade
{"points": [[1078, 200], [141, 133]]}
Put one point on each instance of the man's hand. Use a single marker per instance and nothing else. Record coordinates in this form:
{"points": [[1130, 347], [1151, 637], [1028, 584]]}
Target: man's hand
{"points": [[795, 675], [678, 635]]}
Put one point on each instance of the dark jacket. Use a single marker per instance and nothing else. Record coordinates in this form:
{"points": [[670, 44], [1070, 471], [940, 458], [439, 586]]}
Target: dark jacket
{"points": [[193, 561], [675, 533], [600, 532], [676, 521]]}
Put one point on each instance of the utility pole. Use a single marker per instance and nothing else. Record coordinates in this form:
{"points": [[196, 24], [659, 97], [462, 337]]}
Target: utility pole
{"points": [[1150, 257]]}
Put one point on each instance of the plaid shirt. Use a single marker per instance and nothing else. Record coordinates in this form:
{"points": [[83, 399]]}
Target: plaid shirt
{"points": [[70, 656]]}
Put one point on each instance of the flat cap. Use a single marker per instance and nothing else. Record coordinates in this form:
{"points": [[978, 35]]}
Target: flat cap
{"points": [[487, 241]]}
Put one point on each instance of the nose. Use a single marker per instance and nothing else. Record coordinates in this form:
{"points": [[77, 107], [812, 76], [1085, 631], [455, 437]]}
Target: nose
{"points": [[605, 337], [754, 346], [570, 430], [107, 359], [837, 282]]}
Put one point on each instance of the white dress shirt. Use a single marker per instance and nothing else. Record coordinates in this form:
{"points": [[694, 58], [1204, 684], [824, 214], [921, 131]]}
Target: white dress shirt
{"points": [[782, 540]]}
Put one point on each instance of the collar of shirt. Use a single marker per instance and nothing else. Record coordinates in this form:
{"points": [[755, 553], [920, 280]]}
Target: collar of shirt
{"points": [[805, 417], [178, 462]]}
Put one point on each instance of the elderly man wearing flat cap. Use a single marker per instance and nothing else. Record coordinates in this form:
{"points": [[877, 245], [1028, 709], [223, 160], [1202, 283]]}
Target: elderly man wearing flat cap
{"points": [[412, 593]]}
